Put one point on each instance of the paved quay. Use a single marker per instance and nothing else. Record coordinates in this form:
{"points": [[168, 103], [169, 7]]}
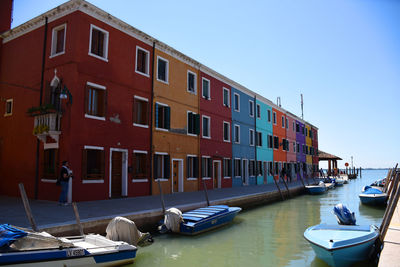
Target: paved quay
{"points": [[145, 211], [390, 255]]}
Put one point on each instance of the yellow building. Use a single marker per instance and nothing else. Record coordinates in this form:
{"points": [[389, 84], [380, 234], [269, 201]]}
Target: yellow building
{"points": [[309, 145]]}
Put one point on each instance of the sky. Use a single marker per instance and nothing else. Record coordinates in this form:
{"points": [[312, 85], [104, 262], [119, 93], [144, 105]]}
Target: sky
{"points": [[342, 55]]}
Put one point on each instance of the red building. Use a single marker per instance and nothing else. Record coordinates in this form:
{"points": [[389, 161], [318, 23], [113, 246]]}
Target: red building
{"points": [[215, 111], [101, 68], [279, 140]]}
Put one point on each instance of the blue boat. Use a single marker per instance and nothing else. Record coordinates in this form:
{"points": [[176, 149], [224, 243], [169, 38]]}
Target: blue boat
{"points": [[342, 245], [205, 219], [372, 196], [316, 189]]}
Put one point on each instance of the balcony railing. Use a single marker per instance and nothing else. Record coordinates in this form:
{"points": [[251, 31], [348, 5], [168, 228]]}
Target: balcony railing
{"points": [[47, 125]]}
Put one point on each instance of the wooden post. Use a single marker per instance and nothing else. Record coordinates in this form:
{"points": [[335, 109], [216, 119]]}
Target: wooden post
{"points": [[78, 221], [277, 186], [287, 188], [390, 199], [161, 196], [205, 192], [360, 173], [389, 212], [27, 207], [393, 183], [387, 180]]}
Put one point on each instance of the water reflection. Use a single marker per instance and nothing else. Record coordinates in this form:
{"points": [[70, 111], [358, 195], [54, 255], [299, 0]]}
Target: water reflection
{"points": [[270, 235]]}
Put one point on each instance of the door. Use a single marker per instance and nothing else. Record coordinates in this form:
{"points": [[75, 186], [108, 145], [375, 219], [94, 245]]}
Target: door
{"points": [[116, 174], [265, 172], [245, 170], [217, 174], [175, 175]]}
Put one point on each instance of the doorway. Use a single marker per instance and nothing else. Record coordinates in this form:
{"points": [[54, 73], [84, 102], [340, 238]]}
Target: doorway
{"points": [[177, 175], [118, 173], [217, 173]]}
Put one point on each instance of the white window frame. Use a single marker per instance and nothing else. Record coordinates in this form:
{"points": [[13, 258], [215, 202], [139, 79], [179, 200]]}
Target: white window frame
{"points": [[283, 121], [223, 99], [205, 177], [257, 133], [238, 102], [269, 118], [195, 82], [54, 40], [234, 167], [97, 86], [162, 129], [162, 179], [251, 108], [187, 121], [251, 134], [287, 123], [229, 132], [105, 58], [237, 137], [258, 111], [223, 168], [11, 100], [209, 88], [274, 118], [147, 62], [100, 181], [142, 99], [209, 126], [139, 180], [191, 156], [166, 71]]}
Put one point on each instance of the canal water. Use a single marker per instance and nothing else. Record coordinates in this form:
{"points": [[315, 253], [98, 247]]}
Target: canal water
{"points": [[270, 235]]}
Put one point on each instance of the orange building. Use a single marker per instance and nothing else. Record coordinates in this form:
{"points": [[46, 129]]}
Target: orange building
{"points": [[279, 132]]}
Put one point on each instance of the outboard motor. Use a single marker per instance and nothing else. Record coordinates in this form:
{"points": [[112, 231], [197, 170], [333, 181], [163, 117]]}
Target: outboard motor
{"points": [[344, 215]]}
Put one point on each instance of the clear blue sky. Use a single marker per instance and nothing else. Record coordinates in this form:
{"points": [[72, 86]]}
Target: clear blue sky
{"points": [[342, 55]]}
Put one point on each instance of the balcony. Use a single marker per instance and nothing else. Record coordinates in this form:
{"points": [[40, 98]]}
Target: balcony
{"points": [[47, 127]]}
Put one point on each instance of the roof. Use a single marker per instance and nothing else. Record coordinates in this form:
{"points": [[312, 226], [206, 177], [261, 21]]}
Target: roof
{"points": [[326, 156]]}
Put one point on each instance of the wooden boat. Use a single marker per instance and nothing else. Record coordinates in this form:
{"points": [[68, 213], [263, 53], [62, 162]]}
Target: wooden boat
{"points": [[317, 189], [42, 249], [342, 245], [205, 219], [372, 196]]}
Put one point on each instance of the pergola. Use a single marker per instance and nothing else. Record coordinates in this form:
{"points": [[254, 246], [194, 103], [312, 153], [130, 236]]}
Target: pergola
{"points": [[332, 160]]}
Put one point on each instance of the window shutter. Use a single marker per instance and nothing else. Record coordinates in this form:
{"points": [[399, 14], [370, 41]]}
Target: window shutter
{"points": [[86, 99], [187, 167], [104, 103], [134, 111], [84, 164], [190, 122], [95, 38], [102, 163], [155, 166], [197, 124], [156, 114], [167, 117], [196, 167], [166, 165], [134, 167]]}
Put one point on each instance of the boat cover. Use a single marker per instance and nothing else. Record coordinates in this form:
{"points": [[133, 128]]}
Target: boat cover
{"points": [[173, 219], [370, 190], [123, 229], [344, 215], [8, 234]]}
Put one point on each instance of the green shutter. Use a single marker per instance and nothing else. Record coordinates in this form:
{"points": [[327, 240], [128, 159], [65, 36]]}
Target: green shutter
{"points": [[155, 165], [190, 123], [156, 115], [196, 167], [167, 117], [166, 166], [197, 124]]}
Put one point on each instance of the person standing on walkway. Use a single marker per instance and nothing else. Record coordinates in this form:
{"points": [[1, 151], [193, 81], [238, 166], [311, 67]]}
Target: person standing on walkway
{"points": [[65, 174]]}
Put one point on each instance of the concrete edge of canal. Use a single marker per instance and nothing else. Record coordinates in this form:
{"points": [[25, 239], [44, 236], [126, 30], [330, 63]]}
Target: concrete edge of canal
{"points": [[147, 220]]}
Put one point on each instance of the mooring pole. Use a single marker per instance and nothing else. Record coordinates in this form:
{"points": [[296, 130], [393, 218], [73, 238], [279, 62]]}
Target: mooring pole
{"points": [[205, 192], [287, 188], [27, 207], [161, 196], [78, 221], [277, 186]]}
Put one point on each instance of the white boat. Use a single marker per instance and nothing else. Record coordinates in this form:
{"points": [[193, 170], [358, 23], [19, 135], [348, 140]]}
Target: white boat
{"points": [[339, 181], [316, 189], [43, 249]]}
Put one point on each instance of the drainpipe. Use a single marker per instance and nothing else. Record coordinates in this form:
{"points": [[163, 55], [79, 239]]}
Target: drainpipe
{"points": [[40, 103], [151, 119]]}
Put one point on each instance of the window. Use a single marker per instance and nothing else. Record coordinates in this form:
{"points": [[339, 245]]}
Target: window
{"points": [[206, 88], [287, 123], [258, 111], [162, 116], [161, 166], [276, 168], [311, 134], [140, 111], [162, 69], [58, 40], [95, 100], [192, 168], [270, 141], [191, 82], [237, 102], [9, 107], [252, 168], [50, 168], [276, 142], [193, 123], [93, 163], [274, 117], [206, 127], [294, 127], [227, 136], [251, 137], [237, 134], [238, 169], [206, 167], [294, 147], [269, 115], [271, 168], [306, 132], [98, 43], [258, 139], [298, 148], [304, 149], [227, 168], [140, 164], [251, 108], [226, 97], [297, 128], [302, 130], [307, 150], [283, 122], [259, 168], [283, 144], [142, 61]]}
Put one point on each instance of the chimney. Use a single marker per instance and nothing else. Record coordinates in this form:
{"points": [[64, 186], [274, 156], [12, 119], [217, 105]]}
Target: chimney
{"points": [[6, 7]]}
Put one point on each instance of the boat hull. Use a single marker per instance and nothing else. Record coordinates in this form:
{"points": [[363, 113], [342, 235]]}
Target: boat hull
{"points": [[373, 199], [315, 189], [208, 223]]}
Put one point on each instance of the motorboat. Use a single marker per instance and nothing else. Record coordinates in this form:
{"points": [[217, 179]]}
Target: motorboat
{"points": [[344, 244], [20, 247], [199, 220], [339, 181], [316, 189], [373, 196]]}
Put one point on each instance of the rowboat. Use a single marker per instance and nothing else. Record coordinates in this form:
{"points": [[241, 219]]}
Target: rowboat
{"points": [[342, 245], [199, 220], [316, 189], [42, 249], [372, 196]]}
